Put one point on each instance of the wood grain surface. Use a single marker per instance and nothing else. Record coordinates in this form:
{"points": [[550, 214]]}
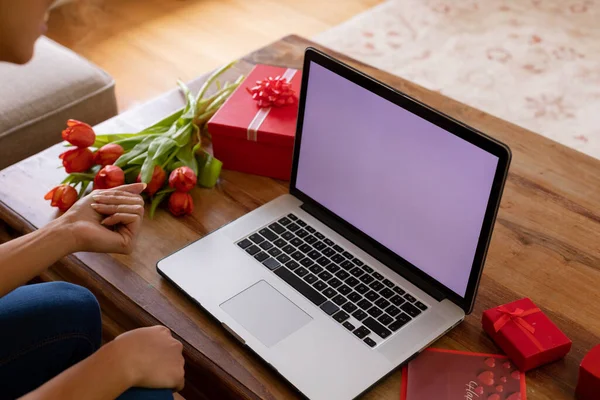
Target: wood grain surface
{"points": [[546, 246]]}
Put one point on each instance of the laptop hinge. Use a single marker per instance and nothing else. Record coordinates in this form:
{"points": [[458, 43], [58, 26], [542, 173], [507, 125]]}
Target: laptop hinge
{"points": [[390, 261]]}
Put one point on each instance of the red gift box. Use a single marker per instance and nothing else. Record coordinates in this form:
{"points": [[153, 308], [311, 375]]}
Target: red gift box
{"points": [[253, 139], [588, 383], [525, 334]]}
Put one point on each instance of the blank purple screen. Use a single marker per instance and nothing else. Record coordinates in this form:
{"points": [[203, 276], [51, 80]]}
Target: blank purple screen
{"points": [[417, 189]]}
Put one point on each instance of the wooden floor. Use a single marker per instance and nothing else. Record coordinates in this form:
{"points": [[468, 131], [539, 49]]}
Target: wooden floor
{"points": [[146, 45]]}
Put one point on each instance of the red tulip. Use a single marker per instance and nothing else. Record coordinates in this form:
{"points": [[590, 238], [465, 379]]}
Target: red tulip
{"points": [[62, 196], [183, 179], [158, 179], [109, 177], [79, 134], [77, 160], [181, 203], [108, 154]]}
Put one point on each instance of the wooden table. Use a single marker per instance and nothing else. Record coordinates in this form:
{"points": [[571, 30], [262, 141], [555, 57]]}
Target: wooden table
{"points": [[546, 246]]}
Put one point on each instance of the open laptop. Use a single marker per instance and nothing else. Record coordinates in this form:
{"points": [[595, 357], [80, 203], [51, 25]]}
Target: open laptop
{"points": [[376, 251]]}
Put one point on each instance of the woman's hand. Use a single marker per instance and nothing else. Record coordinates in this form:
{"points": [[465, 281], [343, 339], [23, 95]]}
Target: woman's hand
{"points": [[152, 356], [106, 221]]}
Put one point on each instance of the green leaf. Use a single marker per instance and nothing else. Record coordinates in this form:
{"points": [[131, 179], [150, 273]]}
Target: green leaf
{"points": [[213, 78], [186, 156], [140, 148], [162, 152], [147, 169], [83, 188], [139, 160], [190, 106], [209, 171], [164, 123], [183, 134], [155, 202]]}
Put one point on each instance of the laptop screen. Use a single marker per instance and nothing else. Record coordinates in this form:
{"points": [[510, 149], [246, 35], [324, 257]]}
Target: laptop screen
{"points": [[415, 188]]}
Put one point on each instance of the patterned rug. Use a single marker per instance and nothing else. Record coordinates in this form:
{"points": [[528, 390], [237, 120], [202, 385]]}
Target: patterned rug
{"points": [[535, 63]]}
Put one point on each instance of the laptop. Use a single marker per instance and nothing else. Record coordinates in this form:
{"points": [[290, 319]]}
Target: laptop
{"points": [[375, 253]]}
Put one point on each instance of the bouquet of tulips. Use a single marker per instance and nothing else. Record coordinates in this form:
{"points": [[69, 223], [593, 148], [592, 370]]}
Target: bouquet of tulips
{"points": [[170, 148]]}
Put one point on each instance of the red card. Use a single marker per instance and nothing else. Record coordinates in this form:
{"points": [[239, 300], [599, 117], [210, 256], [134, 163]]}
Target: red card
{"points": [[448, 375]]}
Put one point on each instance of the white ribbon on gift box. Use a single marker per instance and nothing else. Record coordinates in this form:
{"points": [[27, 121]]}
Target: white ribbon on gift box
{"points": [[262, 113]]}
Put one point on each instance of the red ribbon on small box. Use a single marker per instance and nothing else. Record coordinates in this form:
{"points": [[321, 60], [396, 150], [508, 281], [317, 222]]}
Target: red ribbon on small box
{"points": [[516, 316]]}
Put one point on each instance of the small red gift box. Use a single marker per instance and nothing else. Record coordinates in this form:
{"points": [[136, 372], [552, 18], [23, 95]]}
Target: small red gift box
{"points": [[588, 383], [254, 139], [525, 334]]}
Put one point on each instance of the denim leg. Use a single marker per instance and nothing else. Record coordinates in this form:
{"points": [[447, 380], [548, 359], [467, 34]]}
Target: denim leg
{"points": [[45, 329], [147, 394]]}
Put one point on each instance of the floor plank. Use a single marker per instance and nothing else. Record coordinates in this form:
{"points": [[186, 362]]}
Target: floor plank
{"points": [[147, 45]]}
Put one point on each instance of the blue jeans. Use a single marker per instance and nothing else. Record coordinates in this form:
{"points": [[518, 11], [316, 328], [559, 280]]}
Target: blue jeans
{"points": [[45, 329]]}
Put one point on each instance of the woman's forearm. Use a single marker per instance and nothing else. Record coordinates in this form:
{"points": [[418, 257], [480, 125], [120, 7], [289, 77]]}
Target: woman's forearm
{"points": [[26, 257], [102, 376]]}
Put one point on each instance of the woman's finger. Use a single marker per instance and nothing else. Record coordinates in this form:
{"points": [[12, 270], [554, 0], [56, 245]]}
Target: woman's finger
{"points": [[121, 218], [113, 199], [109, 209], [135, 188]]}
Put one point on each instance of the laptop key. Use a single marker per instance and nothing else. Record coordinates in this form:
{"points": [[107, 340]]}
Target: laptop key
{"points": [[339, 300], [385, 319], [421, 306], [342, 274], [280, 243], [274, 252], [410, 309], [316, 269], [348, 255], [338, 259], [289, 249], [397, 324], [368, 269], [300, 222], [252, 250], [376, 285], [329, 242], [361, 288], [398, 290], [266, 245], [347, 265], [388, 283], [370, 342], [310, 239], [305, 248], [310, 278], [306, 262], [310, 229], [266, 232], [386, 292], [271, 263], [262, 256], [325, 276], [344, 289], [356, 272], [348, 326], [329, 308], [297, 255], [397, 300], [292, 217], [296, 242], [301, 233], [377, 328], [362, 332], [403, 317], [256, 238], [329, 252], [410, 298], [278, 229], [341, 316], [329, 292], [283, 258], [333, 268], [382, 303], [364, 304], [334, 283], [319, 245], [324, 261], [293, 227], [244, 243], [374, 312], [314, 254], [338, 248], [287, 235], [359, 314], [304, 288], [352, 281], [366, 278], [319, 235], [355, 297], [377, 275], [356, 261], [349, 307], [392, 310], [371, 295], [284, 221], [319, 285], [292, 265], [301, 271]]}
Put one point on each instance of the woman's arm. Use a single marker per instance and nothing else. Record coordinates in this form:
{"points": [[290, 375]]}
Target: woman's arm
{"points": [[146, 357], [105, 221]]}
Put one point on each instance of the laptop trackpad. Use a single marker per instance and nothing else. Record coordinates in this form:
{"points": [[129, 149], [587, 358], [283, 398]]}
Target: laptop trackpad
{"points": [[266, 313]]}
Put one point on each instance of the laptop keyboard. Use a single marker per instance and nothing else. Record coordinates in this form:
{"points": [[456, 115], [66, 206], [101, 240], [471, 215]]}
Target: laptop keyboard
{"points": [[361, 299]]}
